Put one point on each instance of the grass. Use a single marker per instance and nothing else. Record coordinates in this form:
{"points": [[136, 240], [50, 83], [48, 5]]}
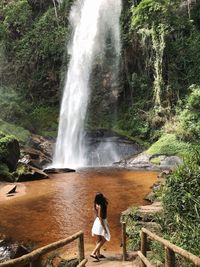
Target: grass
{"points": [[169, 145]]}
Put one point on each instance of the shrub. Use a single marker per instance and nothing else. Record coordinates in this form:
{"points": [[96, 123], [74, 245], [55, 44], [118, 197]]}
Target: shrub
{"points": [[189, 116], [181, 201]]}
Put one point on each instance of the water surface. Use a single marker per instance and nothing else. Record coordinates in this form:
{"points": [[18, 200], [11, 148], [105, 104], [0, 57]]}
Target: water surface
{"points": [[55, 208]]}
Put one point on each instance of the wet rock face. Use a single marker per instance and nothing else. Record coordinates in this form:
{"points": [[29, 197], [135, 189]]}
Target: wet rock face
{"points": [[105, 147], [38, 153]]}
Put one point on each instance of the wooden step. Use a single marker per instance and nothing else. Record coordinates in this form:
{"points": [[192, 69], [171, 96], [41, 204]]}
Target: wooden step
{"points": [[111, 261]]}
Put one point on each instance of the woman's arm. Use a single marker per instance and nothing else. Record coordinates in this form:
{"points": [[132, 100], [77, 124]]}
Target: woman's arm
{"points": [[99, 214]]}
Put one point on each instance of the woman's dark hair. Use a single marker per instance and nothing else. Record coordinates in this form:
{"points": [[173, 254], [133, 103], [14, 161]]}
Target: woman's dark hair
{"points": [[103, 202]]}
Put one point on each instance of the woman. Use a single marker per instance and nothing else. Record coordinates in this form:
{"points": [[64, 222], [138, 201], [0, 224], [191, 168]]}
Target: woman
{"points": [[100, 227]]}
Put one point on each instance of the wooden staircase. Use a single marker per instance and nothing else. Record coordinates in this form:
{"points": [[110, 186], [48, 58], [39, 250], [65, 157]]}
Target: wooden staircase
{"points": [[170, 249], [138, 259]]}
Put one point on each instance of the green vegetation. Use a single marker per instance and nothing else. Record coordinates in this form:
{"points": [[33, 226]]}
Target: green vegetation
{"points": [[5, 175], [161, 65], [32, 44], [4, 141], [179, 220], [158, 81], [132, 228], [189, 116], [9, 155], [169, 145], [181, 201], [44, 120], [20, 133]]}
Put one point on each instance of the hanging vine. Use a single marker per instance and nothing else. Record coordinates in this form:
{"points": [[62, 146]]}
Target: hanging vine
{"points": [[158, 35]]}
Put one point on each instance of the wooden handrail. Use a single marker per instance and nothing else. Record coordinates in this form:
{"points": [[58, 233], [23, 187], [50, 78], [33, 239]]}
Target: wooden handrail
{"points": [[144, 259], [82, 263], [170, 250], [34, 255], [172, 247]]}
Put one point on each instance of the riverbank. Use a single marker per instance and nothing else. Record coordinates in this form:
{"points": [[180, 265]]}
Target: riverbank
{"points": [[6, 187]]}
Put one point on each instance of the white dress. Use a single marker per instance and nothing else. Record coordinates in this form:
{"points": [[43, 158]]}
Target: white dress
{"points": [[97, 229]]}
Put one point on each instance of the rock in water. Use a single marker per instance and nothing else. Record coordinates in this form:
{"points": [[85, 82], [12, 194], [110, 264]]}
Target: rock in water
{"points": [[58, 170], [9, 151], [12, 191], [26, 172]]}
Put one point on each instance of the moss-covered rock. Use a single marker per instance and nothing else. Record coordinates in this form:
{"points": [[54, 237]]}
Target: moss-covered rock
{"points": [[9, 151], [169, 145], [5, 175], [25, 172]]}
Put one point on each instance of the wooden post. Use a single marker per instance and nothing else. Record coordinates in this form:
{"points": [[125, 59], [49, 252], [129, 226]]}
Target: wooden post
{"points": [[143, 246], [170, 260], [81, 247], [124, 240]]}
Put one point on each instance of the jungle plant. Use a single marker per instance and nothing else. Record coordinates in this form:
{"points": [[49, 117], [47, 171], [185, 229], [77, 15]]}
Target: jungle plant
{"points": [[189, 127], [181, 201]]}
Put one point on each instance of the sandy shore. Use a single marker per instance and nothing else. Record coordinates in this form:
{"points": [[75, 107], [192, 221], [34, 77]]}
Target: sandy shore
{"points": [[5, 188]]}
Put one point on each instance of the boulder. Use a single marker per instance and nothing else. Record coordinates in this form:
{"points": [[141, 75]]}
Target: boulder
{"points": [[35, 158], [26, 172], [11, 250], [38, 152], [42, 144], [9, 151], [170, 162], [141, 161], [151, 162], [12, 190]]}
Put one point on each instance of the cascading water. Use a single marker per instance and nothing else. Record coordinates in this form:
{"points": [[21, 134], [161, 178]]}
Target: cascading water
{"points": [[92, 21]]}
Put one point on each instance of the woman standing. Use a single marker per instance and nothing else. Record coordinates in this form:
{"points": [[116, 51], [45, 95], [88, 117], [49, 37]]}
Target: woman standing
{"points": [[100, 227]]}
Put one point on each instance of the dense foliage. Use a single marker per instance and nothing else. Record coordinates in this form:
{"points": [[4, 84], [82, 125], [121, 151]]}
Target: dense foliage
{"points": [[159, 65], [181, 200], [179, 220], [32, 45]]}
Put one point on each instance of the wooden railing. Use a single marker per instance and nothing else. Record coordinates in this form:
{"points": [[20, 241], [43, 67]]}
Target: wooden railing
{"points": [[170, 249], [33, 258]]}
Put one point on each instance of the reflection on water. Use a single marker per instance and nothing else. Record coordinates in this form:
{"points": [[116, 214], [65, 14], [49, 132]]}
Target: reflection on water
{"points": [[62, 205]]}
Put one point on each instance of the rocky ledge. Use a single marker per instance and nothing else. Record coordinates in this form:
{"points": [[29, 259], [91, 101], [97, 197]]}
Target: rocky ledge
{"points": [[150, 162], [24, 163]]}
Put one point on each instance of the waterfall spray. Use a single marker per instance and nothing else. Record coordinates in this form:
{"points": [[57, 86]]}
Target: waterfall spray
{"points": [[92, 21]]}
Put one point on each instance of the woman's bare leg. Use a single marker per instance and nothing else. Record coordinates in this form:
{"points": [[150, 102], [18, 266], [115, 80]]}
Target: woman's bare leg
{"points": [[99, 239], [101, 242]]}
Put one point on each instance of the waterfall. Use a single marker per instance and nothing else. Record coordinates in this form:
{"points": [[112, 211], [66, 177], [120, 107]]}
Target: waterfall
{"points": [[92, 21]]}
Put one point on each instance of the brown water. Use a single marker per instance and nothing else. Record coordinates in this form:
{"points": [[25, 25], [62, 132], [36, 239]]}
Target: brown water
{"points": [[55, 208]]}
